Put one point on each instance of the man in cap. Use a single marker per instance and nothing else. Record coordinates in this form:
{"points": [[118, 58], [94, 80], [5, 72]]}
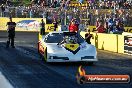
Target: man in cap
{"points": [[42, 25], [11, 33]]}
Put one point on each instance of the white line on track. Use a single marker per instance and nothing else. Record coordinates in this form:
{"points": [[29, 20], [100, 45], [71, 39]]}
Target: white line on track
{"points": [[4, 83], [16, 41]]}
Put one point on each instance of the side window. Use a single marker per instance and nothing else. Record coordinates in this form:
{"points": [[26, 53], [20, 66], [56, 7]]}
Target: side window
{"points": [[46, 38], [53, 38]]}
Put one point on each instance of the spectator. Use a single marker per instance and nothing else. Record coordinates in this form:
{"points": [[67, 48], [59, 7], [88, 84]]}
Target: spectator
{"points": [[97, 22], [2, 9], [42, 31], [118, 28], [55, 24], [88, 36], [70, 17], [54, 4], [73, 27], [110, 23], [100, 28], [8, 2], [31, 13], [6, 12], [11, 33], [49, 19], [63, 4], [106, 27], [123, 15]]}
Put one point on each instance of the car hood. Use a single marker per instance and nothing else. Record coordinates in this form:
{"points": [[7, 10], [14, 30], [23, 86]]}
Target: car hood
{"points": [[54, 48]]}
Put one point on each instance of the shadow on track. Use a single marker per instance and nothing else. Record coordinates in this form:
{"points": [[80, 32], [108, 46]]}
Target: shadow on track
{"points": [[71, 63]]}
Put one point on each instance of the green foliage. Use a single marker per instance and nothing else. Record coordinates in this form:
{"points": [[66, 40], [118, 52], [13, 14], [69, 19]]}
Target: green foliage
{"points": [[18, 2]]}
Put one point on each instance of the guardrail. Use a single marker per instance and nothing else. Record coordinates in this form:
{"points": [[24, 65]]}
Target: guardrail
{"points": [[32, 24]]}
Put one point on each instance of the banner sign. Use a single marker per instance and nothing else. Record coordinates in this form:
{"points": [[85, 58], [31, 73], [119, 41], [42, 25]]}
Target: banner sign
{"points": [[49, 28], [128, 29], [28, 24], [78, 4], [22, 24]]}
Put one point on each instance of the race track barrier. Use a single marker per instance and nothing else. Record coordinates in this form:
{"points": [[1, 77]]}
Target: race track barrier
{"points": [[105, 44], [49, 27], [111, 42], [26, 24]]}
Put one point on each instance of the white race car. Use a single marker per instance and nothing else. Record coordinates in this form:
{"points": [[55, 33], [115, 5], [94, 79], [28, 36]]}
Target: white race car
{"points": [[129, 41], [66, 47]]}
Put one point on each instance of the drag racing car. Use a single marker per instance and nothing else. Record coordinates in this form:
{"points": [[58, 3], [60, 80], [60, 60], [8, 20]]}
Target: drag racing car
{"points": [[129, 41], [66, 47]]}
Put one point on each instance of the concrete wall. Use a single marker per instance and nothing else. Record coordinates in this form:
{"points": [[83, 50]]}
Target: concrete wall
{"points": [[110, 42]]}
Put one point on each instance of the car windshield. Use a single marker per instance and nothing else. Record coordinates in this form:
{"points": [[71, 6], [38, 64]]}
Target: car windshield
{"points": [[58, 37]]}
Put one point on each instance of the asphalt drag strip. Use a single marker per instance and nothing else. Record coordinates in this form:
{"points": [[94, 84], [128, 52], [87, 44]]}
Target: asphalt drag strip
{"points": [[25, 70], [22, 67], [26, 67]]}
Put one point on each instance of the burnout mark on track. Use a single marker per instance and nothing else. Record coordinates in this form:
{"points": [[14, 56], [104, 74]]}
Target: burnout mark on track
{"points": [[27, 53]]}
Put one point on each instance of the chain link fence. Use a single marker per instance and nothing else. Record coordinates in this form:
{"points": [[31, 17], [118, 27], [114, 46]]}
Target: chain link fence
{"points": [[63, 16]]}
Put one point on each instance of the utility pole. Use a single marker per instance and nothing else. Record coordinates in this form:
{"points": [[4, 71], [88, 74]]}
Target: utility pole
{"points": [[65, 17]]}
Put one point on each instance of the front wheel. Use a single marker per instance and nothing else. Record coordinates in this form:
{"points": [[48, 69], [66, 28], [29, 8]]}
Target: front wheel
{"points": [[39, 50], [38, 47]]}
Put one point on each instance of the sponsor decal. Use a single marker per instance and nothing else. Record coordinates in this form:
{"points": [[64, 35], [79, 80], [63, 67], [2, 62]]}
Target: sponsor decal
{"points": [[83, 78], [74, 48]]}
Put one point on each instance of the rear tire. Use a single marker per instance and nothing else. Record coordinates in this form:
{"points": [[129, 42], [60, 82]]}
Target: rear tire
{"points": [[38, 48], [42, 57]]}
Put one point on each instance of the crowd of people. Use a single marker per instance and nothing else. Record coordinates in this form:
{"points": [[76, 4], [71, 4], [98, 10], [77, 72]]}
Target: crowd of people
{"points": [[109, 4], [36, 6], [110, 25], [65, 13], [119, 16]]}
